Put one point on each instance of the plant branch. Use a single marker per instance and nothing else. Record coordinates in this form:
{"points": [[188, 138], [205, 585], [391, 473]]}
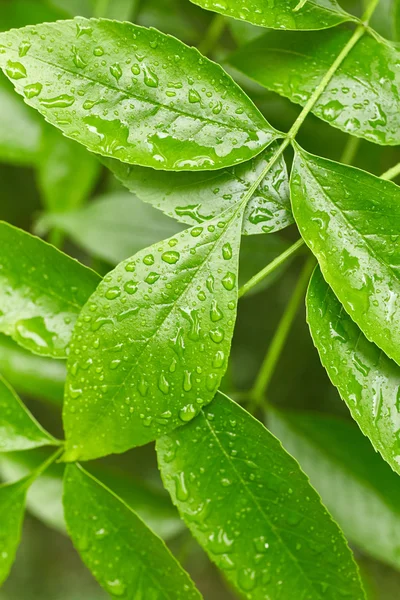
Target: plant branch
{"points": [[391, 173], [350, 150], [46, 464], [213, 34]]}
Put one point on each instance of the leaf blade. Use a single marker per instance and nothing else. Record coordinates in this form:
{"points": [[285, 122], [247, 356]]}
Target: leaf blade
{"points": [[12, 504]]}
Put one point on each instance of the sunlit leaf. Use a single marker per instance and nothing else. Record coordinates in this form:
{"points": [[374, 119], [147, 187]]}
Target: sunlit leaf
{"points": [[12, 507]]}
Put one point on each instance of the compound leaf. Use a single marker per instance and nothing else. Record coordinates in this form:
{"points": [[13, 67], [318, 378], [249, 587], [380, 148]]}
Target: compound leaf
{"points": [[134, 94], [19, 430], [12, 508], [367, 380], [194, 198], [285, 14], [351, 221], [126, 558], [363, 96], [357, 486], [151, 345], [41, 292]]}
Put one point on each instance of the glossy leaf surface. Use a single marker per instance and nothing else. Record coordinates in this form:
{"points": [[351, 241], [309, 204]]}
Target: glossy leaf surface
{"points": [[126, 558], [157, 337], [195, 198], [351, 222], [363, 96], [357, 486], [41, 292], [12, 507], [315, 14], [188, 115], [367, 380], [253, 510], [18, 428]]}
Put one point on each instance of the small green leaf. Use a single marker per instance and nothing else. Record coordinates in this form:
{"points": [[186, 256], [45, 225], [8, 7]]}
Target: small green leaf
{"points": [[67, 172], [157, 335], [19, 430], [41, 292], [253, 510], [367, 380], [357, 486], [358, 100], [351, 222], [12, 508], [284, 14], [194, 198], [125, 557], [189, 115]]}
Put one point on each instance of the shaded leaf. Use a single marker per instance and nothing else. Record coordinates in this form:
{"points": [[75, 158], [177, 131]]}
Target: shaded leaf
{"points": [[139, 113], [123, 554], [315, 14], [362, 97], [351, 222], [19, 430], [253, 510], [367, 380], [357, 486], [195, 198], [147, 329], [17, 13], [12, 506], [121, 10], [42, 291]]}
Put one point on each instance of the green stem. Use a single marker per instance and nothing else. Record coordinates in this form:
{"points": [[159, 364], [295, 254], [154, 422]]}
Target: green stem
{"points": [[46, 464], [350, 150], [391, 173], [277, 262], [299, 5], [257, 393], [213, 34]]}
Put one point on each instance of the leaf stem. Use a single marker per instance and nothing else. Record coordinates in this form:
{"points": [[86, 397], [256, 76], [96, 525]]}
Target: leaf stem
{"points": [[350, 150], [213, 34], [267, 270], [391, 173], [46, 464], [257, 393]]}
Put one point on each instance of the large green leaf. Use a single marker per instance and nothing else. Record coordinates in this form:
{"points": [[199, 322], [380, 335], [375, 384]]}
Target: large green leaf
{"points": [[195, 198], [253, 510], [67, 172], [357, 486], [362, 97], [30, 374], [351, 221], [19, 430], [12, 507], [134, 94], [151, 345], [368, 381], [284, 14], [41, 292], [126, 558]]}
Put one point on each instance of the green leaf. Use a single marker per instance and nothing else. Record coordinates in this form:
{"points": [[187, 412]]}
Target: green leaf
{"points": [[187, 116], [19, 430], [194, 198], [123, 554], [20, 129], [252, 509], [367, 380], [357, 486], [351, 222], [113, 226], [67, 172], [315, 14], [121, 10], [41, 292], [157, 335], [17, 13], [12, 508], [362, 97], [30, 374]]}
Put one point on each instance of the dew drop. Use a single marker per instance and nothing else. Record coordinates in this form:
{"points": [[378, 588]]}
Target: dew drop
{"points": [[15, 70], [188, 413], [171, 257]]}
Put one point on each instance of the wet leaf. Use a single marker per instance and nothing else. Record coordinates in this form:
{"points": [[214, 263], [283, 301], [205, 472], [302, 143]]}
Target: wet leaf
{"points": [[194, 198], [187, 116], [151, 345], [19, 430], [367, 380], [253, 510], [351, 222], [363, 96], [12, 506], [126, 558], [42, 291], [357, 486], [284, 14]]}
